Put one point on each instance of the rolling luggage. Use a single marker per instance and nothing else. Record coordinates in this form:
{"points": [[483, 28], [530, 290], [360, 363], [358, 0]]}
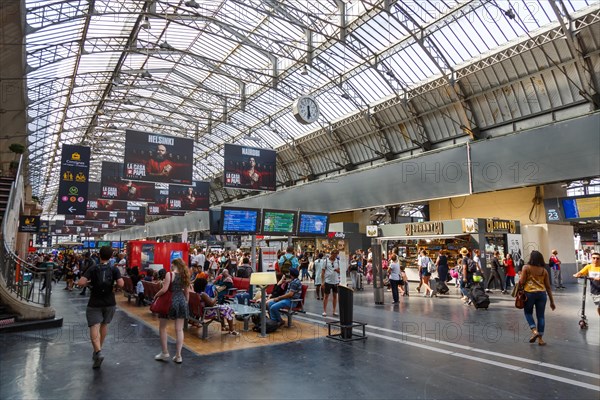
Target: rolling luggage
{"points": [[441, 287], [359, 281], [478, 297]]}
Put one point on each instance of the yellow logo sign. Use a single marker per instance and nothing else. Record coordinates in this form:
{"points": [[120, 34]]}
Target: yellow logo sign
{"points": [[80, 177], [68, 176], [75, 156]]}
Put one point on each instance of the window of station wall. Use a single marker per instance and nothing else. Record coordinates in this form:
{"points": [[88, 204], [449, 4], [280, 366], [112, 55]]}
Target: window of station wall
{"points": [[410, 249]]}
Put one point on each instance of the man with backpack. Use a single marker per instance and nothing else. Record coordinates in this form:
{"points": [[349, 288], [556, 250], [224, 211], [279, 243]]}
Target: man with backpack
{"points": [[288, 261], [469, 267], [101, 306]]}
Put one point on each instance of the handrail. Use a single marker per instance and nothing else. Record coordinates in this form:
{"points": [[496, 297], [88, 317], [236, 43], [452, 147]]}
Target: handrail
{"points": [[21, 277]]}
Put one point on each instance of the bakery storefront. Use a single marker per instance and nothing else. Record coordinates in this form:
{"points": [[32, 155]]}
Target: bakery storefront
{"points": [[487, 235]]}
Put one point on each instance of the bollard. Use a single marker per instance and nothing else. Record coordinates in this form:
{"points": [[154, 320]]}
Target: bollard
{"points": [[346, 305]]}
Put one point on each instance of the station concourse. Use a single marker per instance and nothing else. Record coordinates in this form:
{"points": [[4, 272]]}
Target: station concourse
{"points": [[224, 132]]}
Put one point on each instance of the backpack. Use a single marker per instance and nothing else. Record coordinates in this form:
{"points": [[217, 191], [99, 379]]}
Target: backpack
{"points": [[430, 265], [471, 266], [103, 283], [286, 266], [271, 326]]}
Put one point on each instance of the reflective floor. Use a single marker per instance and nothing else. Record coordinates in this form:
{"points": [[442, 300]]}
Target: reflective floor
{"points": [[420, 349]]}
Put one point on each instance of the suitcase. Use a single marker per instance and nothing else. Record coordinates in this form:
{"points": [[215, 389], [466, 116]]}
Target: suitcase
{"points": [[479, 297], [441, 287], [359, 281]]}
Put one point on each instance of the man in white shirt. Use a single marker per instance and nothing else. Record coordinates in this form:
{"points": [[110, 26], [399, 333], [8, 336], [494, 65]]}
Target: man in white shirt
{"points": [[200, 259], [330, 276]]}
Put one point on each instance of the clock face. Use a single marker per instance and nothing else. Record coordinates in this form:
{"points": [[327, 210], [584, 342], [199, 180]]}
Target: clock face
{"points": [[306, 110]]}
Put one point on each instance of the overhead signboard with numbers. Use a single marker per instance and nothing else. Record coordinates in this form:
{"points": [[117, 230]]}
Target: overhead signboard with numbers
{"points": [[74, 174]]}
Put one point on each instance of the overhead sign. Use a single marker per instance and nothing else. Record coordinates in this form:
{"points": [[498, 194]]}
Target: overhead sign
{"points": [[249, 168], [189, 198], [151, 157], [74, 174], [43, 231], [372, 230], [29, 223]]}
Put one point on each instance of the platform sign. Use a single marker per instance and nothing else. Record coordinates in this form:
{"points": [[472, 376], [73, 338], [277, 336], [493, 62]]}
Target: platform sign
{"points": [[29, 223], [43, 231], [74, 174]]}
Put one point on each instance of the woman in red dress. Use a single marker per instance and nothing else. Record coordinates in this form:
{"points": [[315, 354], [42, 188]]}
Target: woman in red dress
{"points": [[509, 271]]}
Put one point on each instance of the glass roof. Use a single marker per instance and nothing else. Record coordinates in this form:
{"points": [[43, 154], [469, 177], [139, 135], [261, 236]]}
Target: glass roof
{"points": [[223, 71]]}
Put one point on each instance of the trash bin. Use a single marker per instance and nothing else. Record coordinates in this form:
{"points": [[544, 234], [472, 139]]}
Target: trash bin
{"points": [[346, 298]]}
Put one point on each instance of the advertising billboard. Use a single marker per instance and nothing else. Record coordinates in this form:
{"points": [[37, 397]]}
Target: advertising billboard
{"points": [[152, 157], [249, 168], [113, 186], [189, 198]]}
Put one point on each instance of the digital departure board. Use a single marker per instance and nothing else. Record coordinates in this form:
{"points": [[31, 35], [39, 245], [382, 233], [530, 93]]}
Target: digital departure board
{"points": [[313, 224], [278, 222], [581, 207], [239, 221]]}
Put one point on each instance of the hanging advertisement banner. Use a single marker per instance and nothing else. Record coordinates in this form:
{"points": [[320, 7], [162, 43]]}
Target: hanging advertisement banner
{"points": [[152, 157], [249, 168], [134, 216], [114, 187], [73, 185], [29, 223], [189, 198]]}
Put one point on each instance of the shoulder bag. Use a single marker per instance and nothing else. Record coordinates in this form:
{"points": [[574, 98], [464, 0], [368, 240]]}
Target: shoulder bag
{"points": [[520, 298], [162, 305]]}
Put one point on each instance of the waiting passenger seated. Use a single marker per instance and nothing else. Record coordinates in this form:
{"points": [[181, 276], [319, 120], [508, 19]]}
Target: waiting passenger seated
{"points": [[222, 284], [226, 311], [294, 291]]}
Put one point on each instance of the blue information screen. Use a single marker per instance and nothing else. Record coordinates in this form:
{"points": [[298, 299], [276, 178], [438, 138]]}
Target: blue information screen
{"points": [[570, 208], [313, 224], [239, 221]]}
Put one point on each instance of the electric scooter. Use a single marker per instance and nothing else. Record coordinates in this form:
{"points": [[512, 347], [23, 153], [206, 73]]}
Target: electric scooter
{"points": [[583, 324]]}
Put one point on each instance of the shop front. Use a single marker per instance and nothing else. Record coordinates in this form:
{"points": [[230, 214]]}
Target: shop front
{"points": [[487, 235]]}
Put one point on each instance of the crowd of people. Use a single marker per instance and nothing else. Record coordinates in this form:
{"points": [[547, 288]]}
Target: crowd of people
{"points": [[210, 275]]}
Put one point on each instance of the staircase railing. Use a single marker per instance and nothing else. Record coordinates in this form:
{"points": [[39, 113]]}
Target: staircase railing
{"points": [[20, 277]]}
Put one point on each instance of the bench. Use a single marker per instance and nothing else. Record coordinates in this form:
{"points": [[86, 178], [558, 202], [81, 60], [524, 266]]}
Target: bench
{"points": [[128, 289], [297, 306], [198, 312], [240, 285], [150, 290]]}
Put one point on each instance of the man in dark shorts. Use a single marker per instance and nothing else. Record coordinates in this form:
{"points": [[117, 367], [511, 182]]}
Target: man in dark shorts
{"points": [[102, 304], [330, 276]]}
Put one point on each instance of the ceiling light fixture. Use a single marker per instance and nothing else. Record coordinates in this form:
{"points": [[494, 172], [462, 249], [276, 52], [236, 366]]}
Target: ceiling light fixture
{"points": [[345, 96], [146, 74], [192, 3], [166, 46], [304, 71], [510, 14], [146, 24]]}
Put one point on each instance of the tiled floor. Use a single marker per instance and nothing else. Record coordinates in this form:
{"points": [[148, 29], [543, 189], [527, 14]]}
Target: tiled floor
{"points": [[421, 348]]}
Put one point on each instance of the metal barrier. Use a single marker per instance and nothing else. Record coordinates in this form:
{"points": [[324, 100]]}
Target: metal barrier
{"points": [[20, 277]]}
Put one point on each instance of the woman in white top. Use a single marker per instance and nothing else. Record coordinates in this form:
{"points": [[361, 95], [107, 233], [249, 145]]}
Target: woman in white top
{"points": [[394, 276]]}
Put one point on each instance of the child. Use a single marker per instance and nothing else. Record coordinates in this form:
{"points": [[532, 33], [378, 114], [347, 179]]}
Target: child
{"points": [[139, 290], [404, 279], [369, 271]]}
